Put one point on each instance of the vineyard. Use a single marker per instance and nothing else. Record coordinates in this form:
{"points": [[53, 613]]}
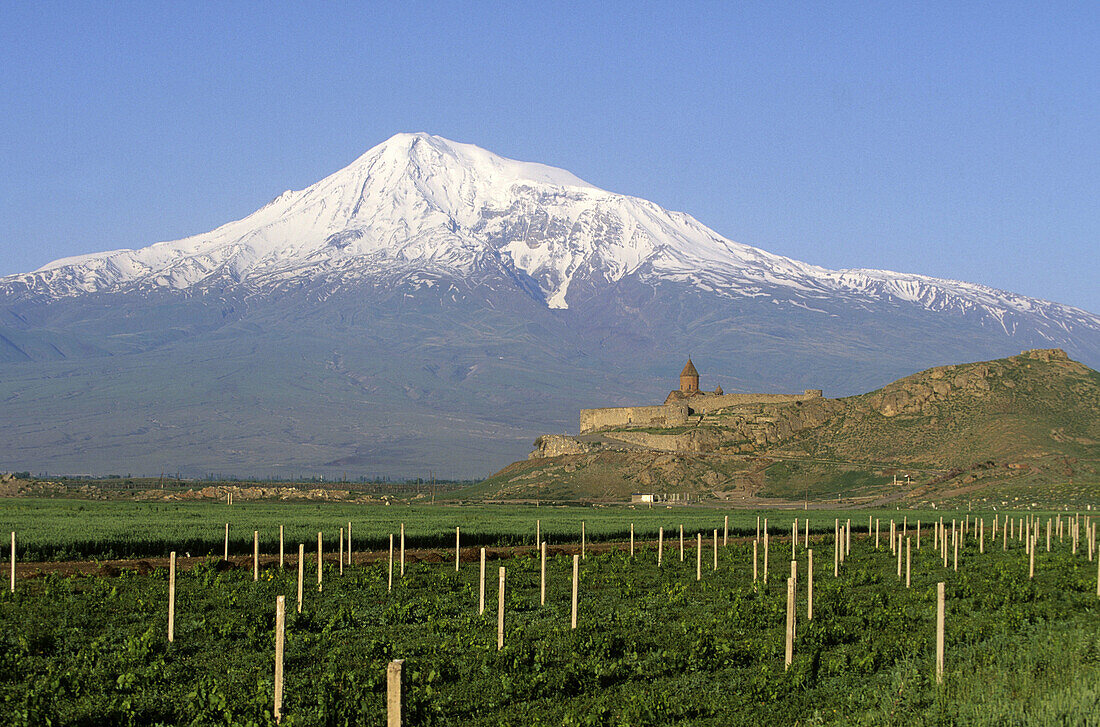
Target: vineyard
{"points": [[684, 636]]}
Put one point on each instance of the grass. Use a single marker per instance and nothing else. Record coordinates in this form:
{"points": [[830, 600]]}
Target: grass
{"points": [[654, 645]]}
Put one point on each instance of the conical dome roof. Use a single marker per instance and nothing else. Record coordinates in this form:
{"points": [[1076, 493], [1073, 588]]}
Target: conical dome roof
{"points": [[689, 369]]}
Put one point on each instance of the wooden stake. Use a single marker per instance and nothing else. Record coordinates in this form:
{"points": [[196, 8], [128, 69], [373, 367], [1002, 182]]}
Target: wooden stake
{"points": [[281, 556], [172, 597], [500, 612], [876, 533], [660, 546], [481, 599], [699, 556], [301, 572], [836, 552], [320, 562], [341, 552], [13, 561], [582, 539], [908, 556], [897, 549], [389, 585], [1031, 564], [280, 623], [766, 539], [754, 548], [255, 555], [226, 556], [576, 583], [918, 534], [349, 542], [458, 543], [682, 544], [542, 576], [810, 584], [402, 550], [955, 562], [716, 549], [758, 528], [393, 692], [848, 537], [1048, 535], [940, 617], [788, 654], [631, 540], [538, 533], [981, 536], [725, 530]]}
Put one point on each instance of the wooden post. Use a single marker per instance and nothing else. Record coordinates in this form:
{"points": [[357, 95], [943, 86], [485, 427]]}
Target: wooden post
{"points": [[766, 539], [955, 561], [631, 540], [538, 533], [301, 572], [393, 692], [341, 551], [758, 528], [698, 556], [876, 533], [226, 556], [582, 540], [725, 530], [500, 612], [794, 579], [794, 539], [542, 576], [682, 544], [282, 558], [788, 654], [458, 543], [836, 551], [320, 562], [280, 624], [1048, 535], [810, 584], [908, 556], [716, 549], [898, 549], [918, 534], [13, 561], [806, 537], [172, 597], [1031, 564], [754, 549], [940, 614], [660, 546], [255, 555], [402, 550], [576, 583], [349, 542], [848, 537], [981, 535], [389, 585], [481, 599]]}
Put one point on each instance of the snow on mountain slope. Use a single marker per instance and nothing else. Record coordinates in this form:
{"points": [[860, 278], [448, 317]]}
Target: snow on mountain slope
{"points": [[425, 201]]}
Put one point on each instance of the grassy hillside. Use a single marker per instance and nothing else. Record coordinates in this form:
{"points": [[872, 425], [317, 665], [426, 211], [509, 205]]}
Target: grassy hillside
{"points": [[960, 431]]}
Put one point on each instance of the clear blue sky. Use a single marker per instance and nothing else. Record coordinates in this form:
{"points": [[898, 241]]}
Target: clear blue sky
{"points": [[952, 139]]}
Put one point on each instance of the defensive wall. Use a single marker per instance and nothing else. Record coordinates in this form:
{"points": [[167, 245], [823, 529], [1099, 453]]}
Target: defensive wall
{"points": [[678, 413]]}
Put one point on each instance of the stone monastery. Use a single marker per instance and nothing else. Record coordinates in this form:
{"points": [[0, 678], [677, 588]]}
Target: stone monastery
{"points": [[682, 406]]}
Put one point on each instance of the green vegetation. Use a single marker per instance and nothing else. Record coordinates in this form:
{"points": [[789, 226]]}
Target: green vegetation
{"points": [[654, 646]]}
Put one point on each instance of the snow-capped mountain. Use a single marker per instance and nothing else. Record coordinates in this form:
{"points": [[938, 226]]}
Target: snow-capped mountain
{"points": [[422, 201], [434, 306]]}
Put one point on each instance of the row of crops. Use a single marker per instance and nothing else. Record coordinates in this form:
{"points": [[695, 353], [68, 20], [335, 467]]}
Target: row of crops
{"points": [[653, 645]]}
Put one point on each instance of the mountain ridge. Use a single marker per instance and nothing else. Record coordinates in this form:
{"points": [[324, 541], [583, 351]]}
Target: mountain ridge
{"points": [[417, 197], [434, 306]]}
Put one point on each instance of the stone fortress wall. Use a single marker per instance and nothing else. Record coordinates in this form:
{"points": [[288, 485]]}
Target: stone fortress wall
{"points": [[678, 413]]}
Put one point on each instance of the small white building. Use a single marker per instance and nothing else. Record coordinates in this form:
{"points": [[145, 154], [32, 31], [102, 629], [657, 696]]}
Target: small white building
{"points": [[642, 497]]}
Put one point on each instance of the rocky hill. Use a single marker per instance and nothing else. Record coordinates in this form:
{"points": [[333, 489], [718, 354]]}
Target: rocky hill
{"points": [[1030, 419]]}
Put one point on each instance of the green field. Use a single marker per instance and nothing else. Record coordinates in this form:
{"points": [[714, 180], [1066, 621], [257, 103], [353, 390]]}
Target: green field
{"points": [[654, 646], [65, 529]]}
